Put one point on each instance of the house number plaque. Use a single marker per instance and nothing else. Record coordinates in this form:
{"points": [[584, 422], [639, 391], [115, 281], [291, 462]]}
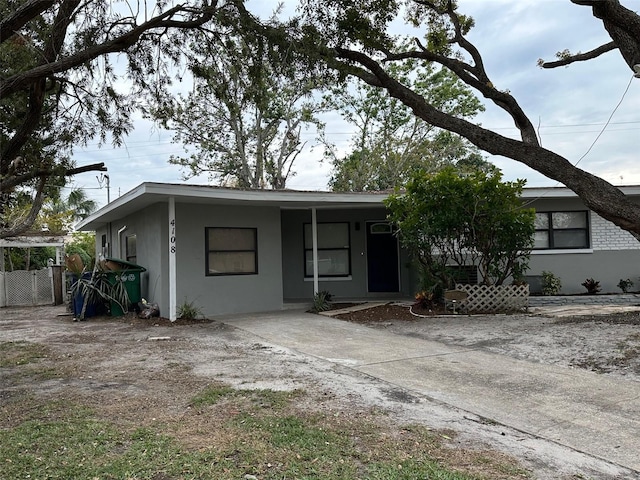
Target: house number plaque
{"points": [[172, 236]]}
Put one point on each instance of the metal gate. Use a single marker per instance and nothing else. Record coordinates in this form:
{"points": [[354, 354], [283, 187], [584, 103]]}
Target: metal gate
{"points": [[33, 287]]}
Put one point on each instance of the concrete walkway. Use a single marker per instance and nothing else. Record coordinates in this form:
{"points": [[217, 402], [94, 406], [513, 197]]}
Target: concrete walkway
{"points": [[585, 411]]}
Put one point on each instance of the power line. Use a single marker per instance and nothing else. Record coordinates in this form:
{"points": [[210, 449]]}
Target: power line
{"points": [[607, 123], [624, 94]]}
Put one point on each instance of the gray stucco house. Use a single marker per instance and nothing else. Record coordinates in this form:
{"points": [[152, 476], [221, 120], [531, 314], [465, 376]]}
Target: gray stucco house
{"points": [[235, 251]]}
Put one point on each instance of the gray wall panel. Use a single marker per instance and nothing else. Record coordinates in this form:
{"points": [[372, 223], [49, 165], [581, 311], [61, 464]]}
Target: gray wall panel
{"points": [[606, 267], [228, 293], [147, 225]]}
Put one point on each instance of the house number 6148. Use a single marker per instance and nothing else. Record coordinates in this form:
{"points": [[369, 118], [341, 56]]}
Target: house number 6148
{"points": [[172, 237]]}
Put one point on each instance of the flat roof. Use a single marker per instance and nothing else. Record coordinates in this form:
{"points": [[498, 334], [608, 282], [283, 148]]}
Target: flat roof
{"points": [[149, 193]]}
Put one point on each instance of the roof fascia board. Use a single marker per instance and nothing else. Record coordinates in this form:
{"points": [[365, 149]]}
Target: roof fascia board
{"points": [[253, 196], [126, 198], [564, 192]]}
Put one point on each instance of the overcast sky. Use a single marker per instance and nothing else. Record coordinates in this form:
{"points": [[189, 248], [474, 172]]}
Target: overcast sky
{"points": [[571, 105]]}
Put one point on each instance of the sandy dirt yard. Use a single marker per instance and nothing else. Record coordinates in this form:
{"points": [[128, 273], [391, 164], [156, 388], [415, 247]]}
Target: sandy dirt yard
{"points": [[603, 343], [142, 371]]}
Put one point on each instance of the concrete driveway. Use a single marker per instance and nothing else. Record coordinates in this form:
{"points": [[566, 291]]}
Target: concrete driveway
{"points": [[590, 413]]}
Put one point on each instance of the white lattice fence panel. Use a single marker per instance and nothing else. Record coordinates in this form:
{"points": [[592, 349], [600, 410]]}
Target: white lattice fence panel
{"points": [[19, 288], [43, 288], [499, 298], [28, 287]]}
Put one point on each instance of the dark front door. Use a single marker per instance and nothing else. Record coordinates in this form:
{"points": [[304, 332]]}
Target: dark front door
{"points": [[382, 258]]}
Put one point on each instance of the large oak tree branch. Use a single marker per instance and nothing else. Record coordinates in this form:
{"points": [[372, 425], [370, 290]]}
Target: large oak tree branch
{"points": [[29, 123], [597, 194], [37, 94], [23, 14], [29, 220], [623, 26], [119, 44], [580, 57], [474, 75], [13, 181]]}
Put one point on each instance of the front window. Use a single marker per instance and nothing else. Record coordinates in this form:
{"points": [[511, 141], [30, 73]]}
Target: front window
{"points": [[231, 251], [561, 230], [334, 252]]}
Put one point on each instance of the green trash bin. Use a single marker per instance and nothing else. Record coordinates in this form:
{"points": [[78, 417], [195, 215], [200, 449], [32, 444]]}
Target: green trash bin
{"points": [[129, 274]]}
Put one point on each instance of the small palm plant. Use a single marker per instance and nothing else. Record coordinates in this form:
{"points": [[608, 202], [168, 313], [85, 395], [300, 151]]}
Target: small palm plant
{"points": [[101, 287], [592, 286], [189, 311], [321, 302]]}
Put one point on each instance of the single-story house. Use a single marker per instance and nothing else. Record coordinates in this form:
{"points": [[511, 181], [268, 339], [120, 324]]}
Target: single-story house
{"points": [[235, 251]]}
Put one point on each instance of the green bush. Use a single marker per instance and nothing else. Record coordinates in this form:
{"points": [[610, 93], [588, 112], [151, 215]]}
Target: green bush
{"points": [[625, 285], [551, 284], [448, 219]]}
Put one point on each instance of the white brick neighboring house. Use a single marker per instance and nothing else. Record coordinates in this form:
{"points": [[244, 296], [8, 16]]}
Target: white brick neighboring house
{"points": [[587, 245], [607, 236]]}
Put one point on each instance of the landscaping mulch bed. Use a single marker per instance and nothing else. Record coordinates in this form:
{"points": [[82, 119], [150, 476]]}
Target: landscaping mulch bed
{"points": [[390, 312]]}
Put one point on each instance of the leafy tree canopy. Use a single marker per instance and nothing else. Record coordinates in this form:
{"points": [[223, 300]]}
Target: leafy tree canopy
{"points": [[390, 142], [60, 84], [57, 215], [244, 117], [470, 219]]}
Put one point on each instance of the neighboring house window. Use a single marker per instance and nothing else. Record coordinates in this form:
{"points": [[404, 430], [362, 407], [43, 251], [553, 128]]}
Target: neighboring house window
{"points": [[131, 249], [231, 251], [561, 230], [334, 252]]}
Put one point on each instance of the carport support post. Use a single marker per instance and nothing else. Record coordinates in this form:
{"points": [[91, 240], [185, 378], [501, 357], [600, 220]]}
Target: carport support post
{"points": [[172, 261], [314, 235]]}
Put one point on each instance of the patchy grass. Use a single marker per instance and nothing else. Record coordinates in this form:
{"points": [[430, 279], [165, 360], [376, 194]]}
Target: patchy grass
{"points": [[81, 447], [13, 354], [212, 395], [255, 432], [265, 398], [92, 429]]}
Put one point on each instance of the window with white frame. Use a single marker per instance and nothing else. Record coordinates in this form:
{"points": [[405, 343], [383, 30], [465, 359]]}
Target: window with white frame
{"points": [[334, 251], [561, 230], [231, 251]]}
